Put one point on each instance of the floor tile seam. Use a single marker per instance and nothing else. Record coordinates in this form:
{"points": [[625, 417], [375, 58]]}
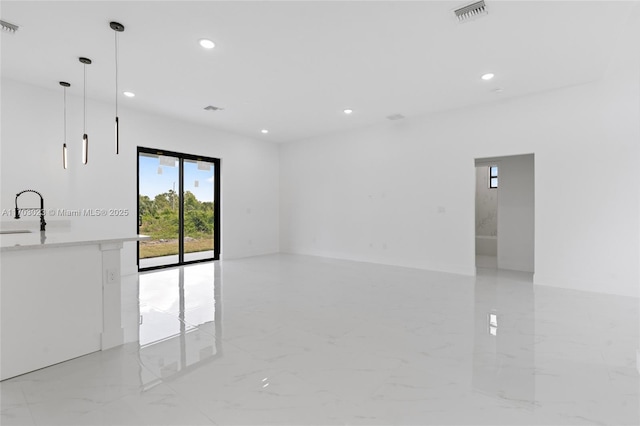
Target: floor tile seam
{"points": [[27, 405]]}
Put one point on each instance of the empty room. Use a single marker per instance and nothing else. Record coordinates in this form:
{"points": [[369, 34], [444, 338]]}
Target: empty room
{"points": [[320, 212]]}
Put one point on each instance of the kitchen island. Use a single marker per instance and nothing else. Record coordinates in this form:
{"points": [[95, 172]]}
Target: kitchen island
{"points": [[59, 297]]}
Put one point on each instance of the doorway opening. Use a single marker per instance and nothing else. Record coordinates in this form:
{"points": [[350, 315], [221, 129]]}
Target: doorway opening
{"points": [[178, 207], [487, 215], [504, 212]]}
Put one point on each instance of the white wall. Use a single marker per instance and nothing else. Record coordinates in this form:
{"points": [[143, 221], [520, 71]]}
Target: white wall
{"points": [[378, 195], [31, 158], [516, 213], [403, 192]]}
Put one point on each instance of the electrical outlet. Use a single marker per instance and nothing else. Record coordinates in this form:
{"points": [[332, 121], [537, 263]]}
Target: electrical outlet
{"points": [[111, 276]]}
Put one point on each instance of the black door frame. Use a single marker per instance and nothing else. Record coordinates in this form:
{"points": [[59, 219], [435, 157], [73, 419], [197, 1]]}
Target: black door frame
{"points": [[216, 204]]}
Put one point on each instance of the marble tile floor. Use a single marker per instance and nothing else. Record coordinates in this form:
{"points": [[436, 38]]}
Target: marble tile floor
{"points": [[298, 340]]}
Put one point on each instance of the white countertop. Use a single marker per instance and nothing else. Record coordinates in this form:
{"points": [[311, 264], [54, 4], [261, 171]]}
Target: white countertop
{"points": [[60, 238]]}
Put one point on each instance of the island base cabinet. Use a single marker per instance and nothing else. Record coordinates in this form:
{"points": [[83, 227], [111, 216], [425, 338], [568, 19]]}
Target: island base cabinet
{"points": [[51, 306]]}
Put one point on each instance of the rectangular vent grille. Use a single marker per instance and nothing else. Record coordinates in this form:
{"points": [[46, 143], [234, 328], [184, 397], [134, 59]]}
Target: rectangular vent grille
{"points": [[213, 108], [471, 11]]}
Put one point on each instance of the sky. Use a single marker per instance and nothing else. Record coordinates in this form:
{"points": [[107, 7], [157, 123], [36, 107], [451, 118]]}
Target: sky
{"points": [[152, 183]]}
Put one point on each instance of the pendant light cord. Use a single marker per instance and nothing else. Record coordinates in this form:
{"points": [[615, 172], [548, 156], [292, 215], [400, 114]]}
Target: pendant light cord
{"points": [[84, 101], [116, 43], [65, 114]]}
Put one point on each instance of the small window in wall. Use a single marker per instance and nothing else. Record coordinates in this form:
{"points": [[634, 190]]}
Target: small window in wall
{"points": [[493, 177]]}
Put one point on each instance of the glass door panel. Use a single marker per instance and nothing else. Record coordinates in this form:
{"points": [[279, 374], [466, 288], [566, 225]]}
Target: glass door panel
{"points": [[158, 209], [178, 207], [199, 208]]}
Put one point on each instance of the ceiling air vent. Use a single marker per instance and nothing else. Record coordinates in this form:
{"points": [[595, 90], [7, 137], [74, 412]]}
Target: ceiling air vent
{"points": [[213, 108], [471, 11], [10, 28], [395, 117]]}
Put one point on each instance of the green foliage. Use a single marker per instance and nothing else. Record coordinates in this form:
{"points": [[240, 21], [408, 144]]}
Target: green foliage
{"points": [[160, 216]]}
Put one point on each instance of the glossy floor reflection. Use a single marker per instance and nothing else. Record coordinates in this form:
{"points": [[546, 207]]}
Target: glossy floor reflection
{"points": [[301, 340]]}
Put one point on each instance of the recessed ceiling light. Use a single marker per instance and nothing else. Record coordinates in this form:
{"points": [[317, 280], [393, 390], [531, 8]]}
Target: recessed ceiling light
{"points": [[348, 111], [207, 44], [265, 131], [129, 94], [488, 76]]}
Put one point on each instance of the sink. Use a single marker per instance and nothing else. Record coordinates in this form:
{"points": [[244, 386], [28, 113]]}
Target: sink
{"points": [[16, 231]]}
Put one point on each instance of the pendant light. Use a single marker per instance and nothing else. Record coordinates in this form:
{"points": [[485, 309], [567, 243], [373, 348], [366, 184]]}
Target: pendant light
{"points": [[85, 137], [65, 162], [117, 28]]}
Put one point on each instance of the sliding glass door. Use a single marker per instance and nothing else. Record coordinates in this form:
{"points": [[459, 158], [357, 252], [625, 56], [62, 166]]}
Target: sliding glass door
{"points": [[198, 206], [178, 207], [158, 209]]}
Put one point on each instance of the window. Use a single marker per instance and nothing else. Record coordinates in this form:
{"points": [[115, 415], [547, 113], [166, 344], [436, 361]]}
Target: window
{"points": [[493, 177]]}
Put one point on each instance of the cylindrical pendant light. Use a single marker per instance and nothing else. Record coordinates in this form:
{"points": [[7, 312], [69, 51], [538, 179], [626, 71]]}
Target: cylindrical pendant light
{"points": [[65, 161], [85, 137], [117, 28]]}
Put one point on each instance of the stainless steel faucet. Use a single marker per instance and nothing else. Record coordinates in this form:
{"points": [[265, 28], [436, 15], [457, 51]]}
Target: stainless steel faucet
{"points": [[42, 222]]}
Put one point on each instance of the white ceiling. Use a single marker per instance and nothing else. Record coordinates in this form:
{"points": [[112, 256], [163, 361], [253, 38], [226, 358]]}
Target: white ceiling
{"points": [[292, 67]]}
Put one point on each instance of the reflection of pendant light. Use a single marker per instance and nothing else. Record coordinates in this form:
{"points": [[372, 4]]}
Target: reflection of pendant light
{"points": [[204, 166], [64, 84], [85, 137], [159, 170], [117, 28]]}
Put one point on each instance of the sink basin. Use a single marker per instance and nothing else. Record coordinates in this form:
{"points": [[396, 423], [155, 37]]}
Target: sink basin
{"points": [[16, 231]]}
